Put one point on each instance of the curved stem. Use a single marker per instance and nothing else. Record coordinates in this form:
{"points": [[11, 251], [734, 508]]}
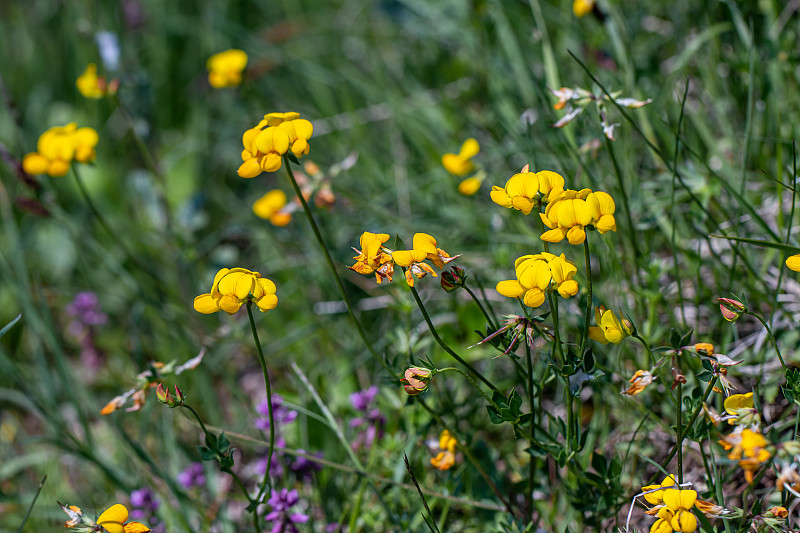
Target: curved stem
{"points": [[646, 347], [480, 306], [771, 338], [471, 380], [268, 386], [331, 265], [587, 319], [443, 344]]}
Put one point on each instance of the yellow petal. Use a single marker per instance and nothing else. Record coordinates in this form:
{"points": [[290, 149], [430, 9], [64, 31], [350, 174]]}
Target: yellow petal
{"points": [[456, 165], [500, 197], [303, 128], [549, 180], [470, 148], [596, 334], [554, 235], [267, 302], [534, 298], [469, 186], [511, 288], [58, 168], [523, 204], [113, 518], [206, 304], [404, 258], [605, 224], [568, 288], [230, 304], [271, 162], [793, 263], [136, 527], [35, 163], [425, 243], [576, 235], [249, 169]]}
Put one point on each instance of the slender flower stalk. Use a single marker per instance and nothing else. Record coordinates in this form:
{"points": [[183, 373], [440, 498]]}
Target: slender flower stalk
{"points": [[444, 344], [771, 338], [331, 265], [481, 307], [679, 428], [268, 387], [588, 316], [531, 462]]}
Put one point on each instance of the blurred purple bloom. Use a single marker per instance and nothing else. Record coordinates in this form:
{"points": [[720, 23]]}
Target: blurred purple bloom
{"points": [[275, 468], [305, 467], [281, 503], [282, 414], [85, 308], [193, 476], [143, 504], [362, 399]]}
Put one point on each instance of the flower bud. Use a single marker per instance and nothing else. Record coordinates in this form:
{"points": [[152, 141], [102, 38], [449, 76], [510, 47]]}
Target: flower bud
{"points": [[163, 395], [453, 279], [416, 380], [179, 397], [731, 309]]}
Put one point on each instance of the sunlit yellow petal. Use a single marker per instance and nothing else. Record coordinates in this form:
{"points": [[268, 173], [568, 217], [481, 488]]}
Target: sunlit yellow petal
{"points": [[469, 149], [206, 304], [113, 518], [534, 298], [793, 262], [511, 288]]}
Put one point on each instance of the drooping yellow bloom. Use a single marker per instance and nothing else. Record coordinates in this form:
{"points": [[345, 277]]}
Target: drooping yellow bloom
{"points": [[371, 258], [640, 380], [537, 274], [734, 402], [609, 328], [90, 85], [793, 262], [273, 207], [424, 247], [113, 521], [225, 68], [233, 287], [569, 212], [461, 163], [58, 147], [446, 458], [582, 7], [275, 135], [526, 190]]}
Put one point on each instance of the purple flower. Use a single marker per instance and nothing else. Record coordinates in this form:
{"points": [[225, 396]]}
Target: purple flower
{"points": [[362, 399], [85, 308], [303, 467], [282, 414], [143, 503], [275, 467], [193, 476], [283, 520]]}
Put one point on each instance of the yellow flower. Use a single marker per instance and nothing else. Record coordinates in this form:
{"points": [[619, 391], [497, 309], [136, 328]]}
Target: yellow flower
{"points": [[749, 448], [570, 212], [225, 68], [113, 521], [609, 329], [526, 190], [371, 258], [704, 348], [793, 262], [272, 206], [662, 525], [90, 85], [446, 458], [424, 247], [657, 497], [469, 186], [734, 402], [537, 274], [233, 287], [680, 502], [275, 135], [582, 7], [460, 164], [640, 380], [58, 147]]}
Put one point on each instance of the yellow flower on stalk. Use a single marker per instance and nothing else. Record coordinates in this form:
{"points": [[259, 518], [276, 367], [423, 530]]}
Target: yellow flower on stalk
{"points": [[582, 7], [610, 329], [793, 262], [58, 147], [424, 247], [526, 190], [680, 502], [538, 274], [570, 212], [461, 163], [735, 402], [654, 494], [266, 143], [446, 458], [232, 288], [371, 258], [90, 85], [225, 68], [273, 207], [113, 520]]}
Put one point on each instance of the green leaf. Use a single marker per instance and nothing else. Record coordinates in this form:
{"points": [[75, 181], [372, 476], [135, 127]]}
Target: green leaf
{"points": [[206, 453], [686, 340], [758, 242], [494, 415], [514, 403], [704, 376], [674, 339], [223, 442], [10, 325]]}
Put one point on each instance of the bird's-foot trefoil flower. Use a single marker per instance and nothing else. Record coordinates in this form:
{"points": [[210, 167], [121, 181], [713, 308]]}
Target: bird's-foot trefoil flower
{"points": [[58, 147], [372, 257], [225, 68], [275, 135], [609, 327], [569, 213], [461, 163], [90, 85], [526, 190], [416, 380], [424, 248], [232, 288], [273, 206], [640, 380], [112, 520], [446, 458], [538, 274]]}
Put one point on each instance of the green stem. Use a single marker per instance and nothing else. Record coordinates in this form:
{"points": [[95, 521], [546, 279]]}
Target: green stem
{"points": [[331, 265], [678, 437], [587, 319], [531, 462], [570, 422], [796, 421], [265, 479], [443, 344], [480, 306], [554, 315], [771, 338]]}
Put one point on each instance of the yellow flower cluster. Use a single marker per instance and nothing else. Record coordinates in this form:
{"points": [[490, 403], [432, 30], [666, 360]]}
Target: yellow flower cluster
{"points": [[375, 258], [112, 520], [275, 135], [526, 190], [538, 274], [58, 147], [225, 68], [610, 329], [569, 212], [90, 85], [273, 207], [461, 164], [233, 287], [446, 458], [674, 507], [749, 448]]}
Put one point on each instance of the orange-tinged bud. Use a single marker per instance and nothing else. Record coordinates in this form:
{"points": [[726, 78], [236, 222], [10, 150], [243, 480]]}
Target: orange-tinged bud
{"points": [[731, 309]]}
